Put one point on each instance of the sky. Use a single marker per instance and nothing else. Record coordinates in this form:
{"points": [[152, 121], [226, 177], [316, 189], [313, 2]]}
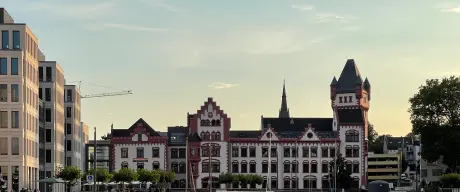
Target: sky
{"points": [[175, 54]]}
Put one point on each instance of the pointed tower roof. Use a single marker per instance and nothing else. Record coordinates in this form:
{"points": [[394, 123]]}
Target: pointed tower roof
{"points": [[284, 111], [366, 85], [349, 78], [334, 81]]}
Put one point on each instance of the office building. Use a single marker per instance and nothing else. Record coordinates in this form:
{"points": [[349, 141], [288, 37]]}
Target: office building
{"points": [[102, 153], [73, 128], [51, 92], [19, 104]]}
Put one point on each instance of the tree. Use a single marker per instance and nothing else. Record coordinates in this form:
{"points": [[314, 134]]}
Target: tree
{"points": [[166, 178], [226, 178], [102, 174], [254, 179], [71, 174], [435, 115], [125, 175], [343, 174], [148, 176], [106, 137], [372, 133], [451, 180]]}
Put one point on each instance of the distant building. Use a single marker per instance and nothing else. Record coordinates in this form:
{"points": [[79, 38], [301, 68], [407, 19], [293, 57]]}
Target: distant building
{"points": [[385, 167], [103, 157]]}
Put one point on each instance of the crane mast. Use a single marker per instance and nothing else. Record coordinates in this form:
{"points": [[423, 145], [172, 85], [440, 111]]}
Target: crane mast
{"points": [[107, 94]]}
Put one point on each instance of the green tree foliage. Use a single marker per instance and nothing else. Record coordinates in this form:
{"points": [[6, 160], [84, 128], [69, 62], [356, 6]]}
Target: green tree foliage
{"points": [[435, 115], [226, 178], [241, 180], [372, 133], [125, 175], [102, 174], [343, 174], [451, 180], [148, 176], [166, 178], [106, 137], [71, 174]]}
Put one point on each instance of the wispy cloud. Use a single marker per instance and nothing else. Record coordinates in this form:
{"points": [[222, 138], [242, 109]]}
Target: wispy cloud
{"points": [[330, 17], [220, 85], [84, 11], [134, 28], [161, 4], [273, 43], [302, 7], [350, 28], [452, 10]]}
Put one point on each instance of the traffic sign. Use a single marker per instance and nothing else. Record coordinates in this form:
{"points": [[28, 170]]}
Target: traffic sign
{"points": [[89, 178]]}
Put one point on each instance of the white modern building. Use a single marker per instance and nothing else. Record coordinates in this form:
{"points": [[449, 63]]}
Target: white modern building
{"points": [[19, 104], [73, 128]]}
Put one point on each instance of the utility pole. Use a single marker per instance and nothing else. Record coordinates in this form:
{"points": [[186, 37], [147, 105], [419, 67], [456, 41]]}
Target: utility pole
{"points": [[94, 161]]}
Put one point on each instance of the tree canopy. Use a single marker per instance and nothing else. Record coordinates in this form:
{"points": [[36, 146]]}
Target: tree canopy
{"points": [[71, 174], [125, 175], [102, 174], [435, 115], [148, 175], [343, 174]]}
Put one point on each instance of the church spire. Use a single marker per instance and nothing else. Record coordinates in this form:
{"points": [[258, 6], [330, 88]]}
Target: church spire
{"points": [[284, 111]]}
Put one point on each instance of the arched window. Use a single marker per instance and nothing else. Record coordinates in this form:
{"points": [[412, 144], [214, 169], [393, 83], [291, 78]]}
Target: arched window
{"points": [[203, 135], [156, 165], [235, 166], [294, 182], [314, 166], [208, 122], [214, 182], [218, 136], [264, 166], [348, 165], [215, 166], [309, 182], [175, 167], [355, 151], [244, 167], [208, 136], [355, 182], [352, 136], [213, 122], [355, 167], [287, 182], [325, 184], [213, 135], [203, 123], [182, 167], [287, 166], [306, 167]]}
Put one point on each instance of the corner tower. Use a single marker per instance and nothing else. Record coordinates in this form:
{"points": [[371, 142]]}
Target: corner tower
{"points": [[350, 97]]}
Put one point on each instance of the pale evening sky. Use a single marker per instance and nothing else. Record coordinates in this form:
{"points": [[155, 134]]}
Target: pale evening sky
{"points": [[174, 54]]}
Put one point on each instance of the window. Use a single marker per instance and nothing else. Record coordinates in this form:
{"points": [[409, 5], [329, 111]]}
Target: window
{"points": [[294, 167], [252, 152], [14, 119], [68, 128], [264, 151], [155, 152], [3, 119], [314, 167], [69, 145], [68, 161], [124, 152], [182, 167], [325, 167], [332, 152], [252, 167], [235, 152], [215, 151], [274, 167], [274, 152], [244, 167], [3, 66], [49, 74], [205, 152], [48, 135], [306, 167], [314, 152], [305, 152], [14, 146], [352, 136], [350, 99], [181, 153], [14, 66], [3, 93], [48, 156], [40, 73], [340, 100], [205, 168], [235, 166], [47, 94], [355, 151], [69, 113], [140, 152], [48, 114], [174, 167], [287, 167], [14, 93], [294, 152], [16, 40], [244, 152], [174, 153], [4, 146], [355, 167], [265, 167], [5, 39], [287, 152], [324, 152], [348, 152], [345, 99], [69, 94], [287, 183]]}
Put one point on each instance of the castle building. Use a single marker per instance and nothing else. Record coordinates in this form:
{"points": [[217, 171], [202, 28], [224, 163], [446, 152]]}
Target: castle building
{"points": [[289, 152]]}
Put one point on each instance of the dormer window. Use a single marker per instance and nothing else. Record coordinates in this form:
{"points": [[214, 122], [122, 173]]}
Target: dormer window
{"points": [[340, 100], [139, 137], [345, 100], [350, 98]]}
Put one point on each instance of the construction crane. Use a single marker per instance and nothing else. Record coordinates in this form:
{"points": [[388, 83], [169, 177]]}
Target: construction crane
{"points": [[108, 94]]}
